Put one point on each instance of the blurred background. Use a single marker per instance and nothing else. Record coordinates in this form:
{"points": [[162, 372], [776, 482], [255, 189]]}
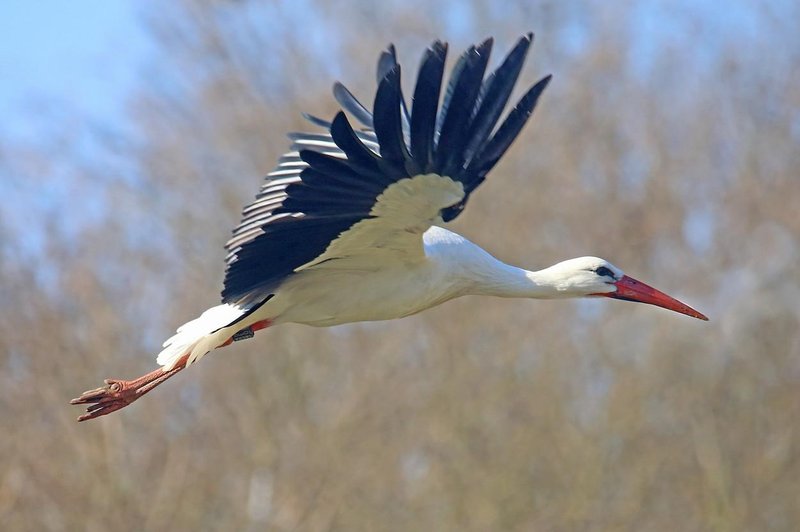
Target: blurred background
{"points": [[132, 133]]}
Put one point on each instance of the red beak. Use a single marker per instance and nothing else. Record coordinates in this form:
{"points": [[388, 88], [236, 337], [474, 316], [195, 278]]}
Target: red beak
{"points": [[629, 289]]}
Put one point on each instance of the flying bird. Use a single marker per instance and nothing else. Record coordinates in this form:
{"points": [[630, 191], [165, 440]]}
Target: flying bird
{"points": [[347, 226]]}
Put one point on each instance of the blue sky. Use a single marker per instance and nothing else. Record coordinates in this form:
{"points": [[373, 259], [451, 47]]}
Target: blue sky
{"points": [[84, 55], [68, 53]]}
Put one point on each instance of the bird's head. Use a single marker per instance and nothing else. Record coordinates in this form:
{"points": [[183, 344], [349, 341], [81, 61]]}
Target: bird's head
{"points": [[593, 276]]}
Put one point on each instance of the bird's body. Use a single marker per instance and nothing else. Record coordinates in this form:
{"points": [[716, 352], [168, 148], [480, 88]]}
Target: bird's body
{"points": [[451, 266], [330, 293], [347, 227], [327, 294]]}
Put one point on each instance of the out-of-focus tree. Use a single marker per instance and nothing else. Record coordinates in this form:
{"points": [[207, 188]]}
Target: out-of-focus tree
{"points": [[669, 143]]}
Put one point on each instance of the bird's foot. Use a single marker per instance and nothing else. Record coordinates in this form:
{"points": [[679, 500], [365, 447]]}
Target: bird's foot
{"points": [[114, 395], [117, 394]]}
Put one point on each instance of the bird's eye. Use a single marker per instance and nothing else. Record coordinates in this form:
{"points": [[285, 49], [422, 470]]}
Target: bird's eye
{"points": [[602, 271]]}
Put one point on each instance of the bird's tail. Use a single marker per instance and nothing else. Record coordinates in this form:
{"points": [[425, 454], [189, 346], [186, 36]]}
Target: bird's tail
{"points": [[201, 335]]}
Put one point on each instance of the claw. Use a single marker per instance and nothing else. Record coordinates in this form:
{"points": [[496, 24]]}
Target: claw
{"points": [[109, 398], [118, 394]]}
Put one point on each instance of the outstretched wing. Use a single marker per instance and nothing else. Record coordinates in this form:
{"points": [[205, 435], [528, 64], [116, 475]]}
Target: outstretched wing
{"points": [[348, 198]]}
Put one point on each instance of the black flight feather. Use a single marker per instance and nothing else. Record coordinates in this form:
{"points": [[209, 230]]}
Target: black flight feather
{"points": [[359, 157], [388, 127], [426, 102], [386, 62]]}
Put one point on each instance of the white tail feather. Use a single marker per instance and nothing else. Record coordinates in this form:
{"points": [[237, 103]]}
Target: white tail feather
{"points": [[199, 336]]}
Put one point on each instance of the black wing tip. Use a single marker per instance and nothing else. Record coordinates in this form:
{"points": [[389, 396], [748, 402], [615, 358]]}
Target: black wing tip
{"points": [[523, 45], [340, 121], [391, 76], [386, 61], [387, 57], [436, 52], [524, 40], [484, 49], [531, 96], [439, 48], [544, 82]]}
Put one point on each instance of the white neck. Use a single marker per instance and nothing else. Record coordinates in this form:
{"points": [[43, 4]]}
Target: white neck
{"points": [[472, 270], [504, 280]]}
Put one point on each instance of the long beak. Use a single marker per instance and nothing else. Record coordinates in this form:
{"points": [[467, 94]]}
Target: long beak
{"points": [[629, 289]]}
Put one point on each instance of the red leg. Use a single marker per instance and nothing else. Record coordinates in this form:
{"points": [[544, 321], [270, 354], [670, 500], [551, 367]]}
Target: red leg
{"points": [[118, 394], [263, 324]]}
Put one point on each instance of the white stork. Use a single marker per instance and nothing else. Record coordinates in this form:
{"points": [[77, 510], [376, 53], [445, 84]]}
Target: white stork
{"points": [[345, 229]]}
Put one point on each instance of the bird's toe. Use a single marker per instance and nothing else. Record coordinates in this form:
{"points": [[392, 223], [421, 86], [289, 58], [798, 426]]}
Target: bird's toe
{"points": [[106, 399]]}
